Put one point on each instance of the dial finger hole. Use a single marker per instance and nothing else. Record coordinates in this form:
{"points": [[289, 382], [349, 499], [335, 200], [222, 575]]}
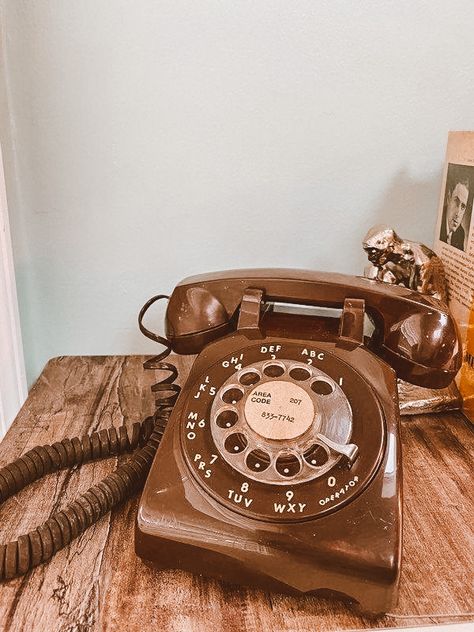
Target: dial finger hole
{"points": [[232, 395], [249, 378], [316, 456], [299, 374], [227, 419], [258, 460], [321, 387], [236, 443], [287, 465], [274, 369]]}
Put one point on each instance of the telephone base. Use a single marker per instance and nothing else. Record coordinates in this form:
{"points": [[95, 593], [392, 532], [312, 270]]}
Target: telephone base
{"points": [[371, 598], [339, 532]]}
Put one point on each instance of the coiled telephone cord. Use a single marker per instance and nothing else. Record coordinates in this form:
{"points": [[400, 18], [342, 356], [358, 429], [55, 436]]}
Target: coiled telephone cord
{"points": [[40, 544]]}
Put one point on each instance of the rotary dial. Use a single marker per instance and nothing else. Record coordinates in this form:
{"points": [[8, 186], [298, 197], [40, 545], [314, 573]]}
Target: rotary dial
{"points": [[281, 430], [278, 421]]}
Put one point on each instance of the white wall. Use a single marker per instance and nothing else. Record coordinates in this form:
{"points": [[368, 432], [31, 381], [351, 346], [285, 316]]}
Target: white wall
{"points": [[13, 390], [148, 140]]}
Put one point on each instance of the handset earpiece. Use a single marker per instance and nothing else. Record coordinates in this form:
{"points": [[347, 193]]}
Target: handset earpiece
{"points": [[195, 317], [423, 348]]}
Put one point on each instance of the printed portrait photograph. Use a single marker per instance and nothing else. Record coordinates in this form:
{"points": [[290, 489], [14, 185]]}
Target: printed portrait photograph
{"points": [[457, 208]]}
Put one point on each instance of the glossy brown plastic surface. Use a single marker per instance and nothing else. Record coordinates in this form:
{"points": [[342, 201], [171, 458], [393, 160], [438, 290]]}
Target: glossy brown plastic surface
{"points": [[414, 333], [347, 544]]}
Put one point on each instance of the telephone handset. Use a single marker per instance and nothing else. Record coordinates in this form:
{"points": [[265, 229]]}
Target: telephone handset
{"points": [[279, 462], [280, 466], [414, 332]]}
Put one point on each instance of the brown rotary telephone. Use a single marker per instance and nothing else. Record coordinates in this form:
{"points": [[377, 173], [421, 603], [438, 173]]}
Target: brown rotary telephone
{"points": [[279, 465]]}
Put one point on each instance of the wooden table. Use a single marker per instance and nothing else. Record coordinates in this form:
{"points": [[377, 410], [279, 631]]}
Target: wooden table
{"points": [[97, 583]]}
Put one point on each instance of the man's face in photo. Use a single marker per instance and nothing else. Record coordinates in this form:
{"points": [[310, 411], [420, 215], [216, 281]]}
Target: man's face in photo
{"points": [[457, 204]]}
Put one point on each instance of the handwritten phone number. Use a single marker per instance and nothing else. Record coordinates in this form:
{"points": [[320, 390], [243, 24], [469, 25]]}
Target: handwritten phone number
{"points": [[274, 416]]}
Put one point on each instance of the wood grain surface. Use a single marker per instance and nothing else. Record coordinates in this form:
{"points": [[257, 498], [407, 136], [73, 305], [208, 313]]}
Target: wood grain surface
{"points": [[97, 582]]}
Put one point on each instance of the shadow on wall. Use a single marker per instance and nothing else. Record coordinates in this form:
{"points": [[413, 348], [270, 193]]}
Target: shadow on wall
{"points": [[410, 207]]}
